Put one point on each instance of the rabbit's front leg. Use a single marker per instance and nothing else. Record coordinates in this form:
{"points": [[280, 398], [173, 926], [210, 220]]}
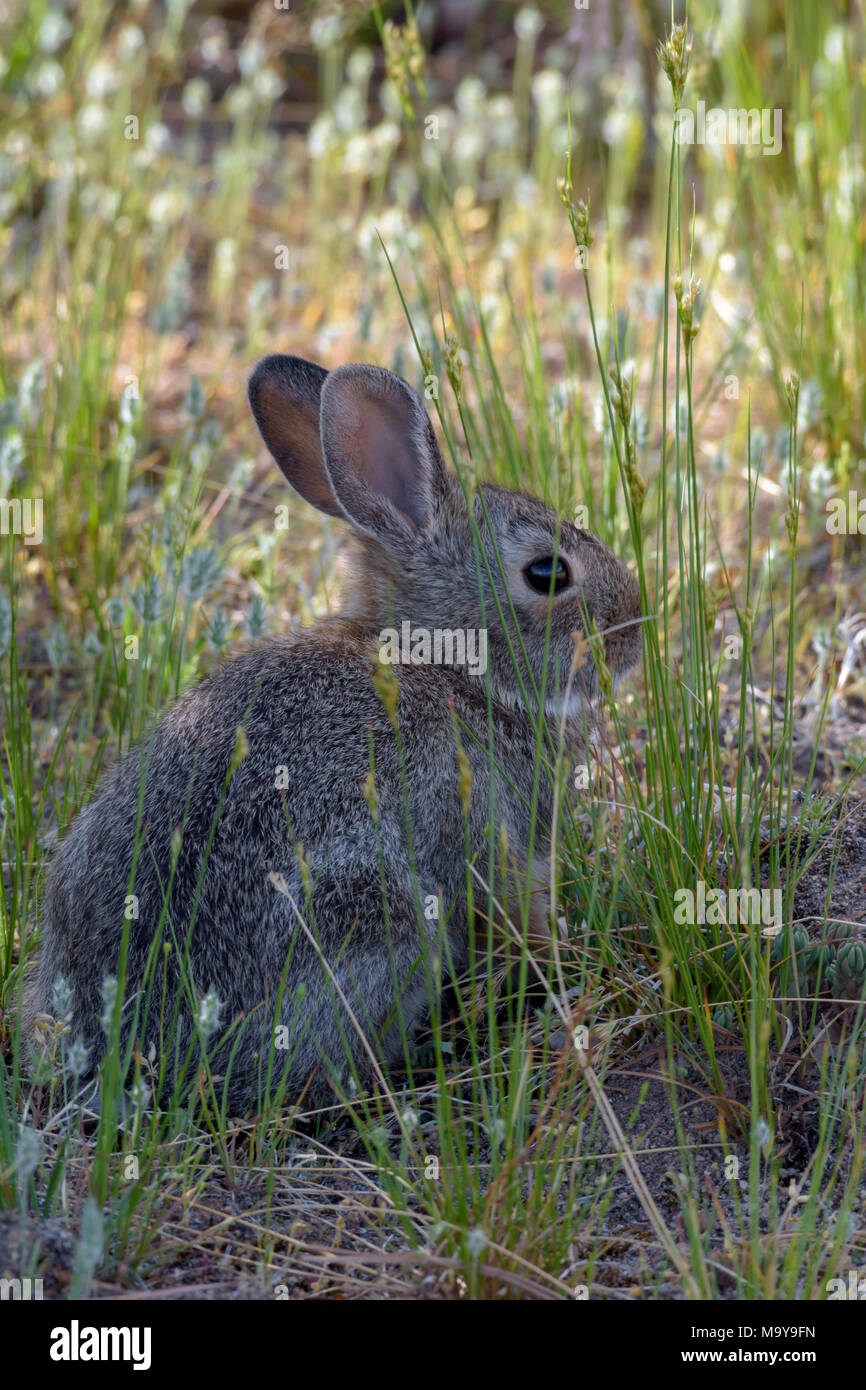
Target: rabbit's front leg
{"points": [[520, 897]]}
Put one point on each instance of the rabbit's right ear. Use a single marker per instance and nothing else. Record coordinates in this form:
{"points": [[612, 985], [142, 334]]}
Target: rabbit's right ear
{"points": [[381, 455], [284, 395]]}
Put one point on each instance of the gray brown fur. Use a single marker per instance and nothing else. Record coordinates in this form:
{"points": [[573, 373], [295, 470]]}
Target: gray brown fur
{"points": [[357, 444]]}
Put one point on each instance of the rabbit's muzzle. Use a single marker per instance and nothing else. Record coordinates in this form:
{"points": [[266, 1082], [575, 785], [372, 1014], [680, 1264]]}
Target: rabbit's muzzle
{"points": [[621, 623]]}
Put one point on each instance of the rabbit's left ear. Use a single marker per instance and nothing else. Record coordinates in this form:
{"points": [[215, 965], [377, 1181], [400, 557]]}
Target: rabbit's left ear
{"points": [[381, 454], [284, 395]]}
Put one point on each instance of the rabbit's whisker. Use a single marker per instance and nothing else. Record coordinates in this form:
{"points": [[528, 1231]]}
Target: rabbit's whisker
{"points": [[620, 627]]}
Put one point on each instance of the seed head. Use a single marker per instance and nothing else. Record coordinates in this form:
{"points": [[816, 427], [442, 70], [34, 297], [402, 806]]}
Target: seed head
{"points": [[675, 55]]}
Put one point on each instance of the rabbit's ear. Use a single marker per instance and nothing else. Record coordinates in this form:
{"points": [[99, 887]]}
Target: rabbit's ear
{"points": [[284, 395], [381, 453]]}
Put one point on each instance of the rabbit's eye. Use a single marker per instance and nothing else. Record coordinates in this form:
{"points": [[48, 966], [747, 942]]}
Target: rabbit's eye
{"points": [[542, 574]]}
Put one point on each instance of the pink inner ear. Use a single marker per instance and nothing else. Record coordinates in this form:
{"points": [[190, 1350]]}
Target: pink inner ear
{"points": [[384, 459]]}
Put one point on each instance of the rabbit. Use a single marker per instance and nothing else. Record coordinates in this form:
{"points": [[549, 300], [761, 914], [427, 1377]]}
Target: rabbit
{"points": [[291, 869]]}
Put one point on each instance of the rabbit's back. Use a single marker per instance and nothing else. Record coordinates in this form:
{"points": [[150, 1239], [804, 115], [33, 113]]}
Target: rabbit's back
{"points": [[211, 838]]}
